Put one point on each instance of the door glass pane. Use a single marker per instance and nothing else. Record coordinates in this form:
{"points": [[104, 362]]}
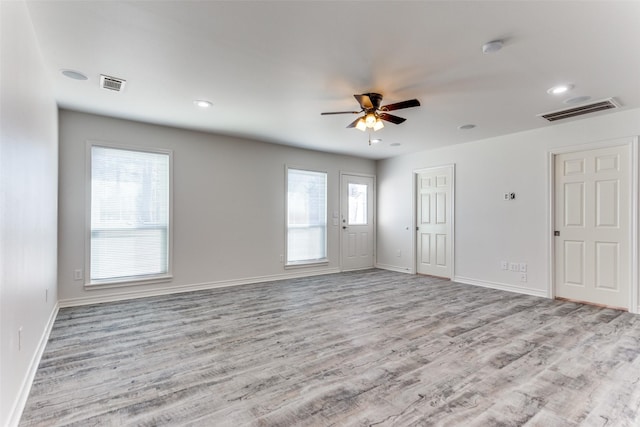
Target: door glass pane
{"points": [[357, 209]]}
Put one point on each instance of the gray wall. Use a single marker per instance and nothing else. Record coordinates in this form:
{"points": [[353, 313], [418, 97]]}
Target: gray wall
{"points": [[228, 210], [28, 207]]}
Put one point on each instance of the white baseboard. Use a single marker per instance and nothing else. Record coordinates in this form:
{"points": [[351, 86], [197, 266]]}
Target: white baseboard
{"points": [[27, 382], [120, 296], [501, 286], [394, 268]]}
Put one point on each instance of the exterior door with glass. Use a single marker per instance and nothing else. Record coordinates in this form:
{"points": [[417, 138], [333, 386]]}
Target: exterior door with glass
{"points": [[357, 221]]}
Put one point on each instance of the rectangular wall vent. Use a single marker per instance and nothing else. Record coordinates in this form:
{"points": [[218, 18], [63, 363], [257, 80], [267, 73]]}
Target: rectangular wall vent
{"points": [[605, 104], [112, 83]]}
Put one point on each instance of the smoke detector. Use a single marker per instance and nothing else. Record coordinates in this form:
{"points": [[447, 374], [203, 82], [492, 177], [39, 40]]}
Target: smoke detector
{"points": [[112, 83]]}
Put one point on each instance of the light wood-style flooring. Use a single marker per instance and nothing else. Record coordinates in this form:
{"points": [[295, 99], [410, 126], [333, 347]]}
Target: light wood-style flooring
{"points": [[371, 348]]}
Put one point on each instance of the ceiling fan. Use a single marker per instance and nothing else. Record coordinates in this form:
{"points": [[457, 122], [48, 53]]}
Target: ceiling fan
{"points": [[374, 114]]}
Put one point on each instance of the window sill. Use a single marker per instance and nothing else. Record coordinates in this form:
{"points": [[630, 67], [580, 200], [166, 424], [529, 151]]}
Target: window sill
{"points": [[303, 264], [126, 282]]}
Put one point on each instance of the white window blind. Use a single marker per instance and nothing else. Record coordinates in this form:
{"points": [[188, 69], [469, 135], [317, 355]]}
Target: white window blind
{"points": [[129, 214], [306, 216]]}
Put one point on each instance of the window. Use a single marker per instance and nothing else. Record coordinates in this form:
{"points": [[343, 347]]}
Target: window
{"points": [[357, 205], [306, 216], [130, 205]]}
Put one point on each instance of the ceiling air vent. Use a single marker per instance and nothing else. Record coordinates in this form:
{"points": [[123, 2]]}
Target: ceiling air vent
{"points": [[112, 83], [605, 104]]}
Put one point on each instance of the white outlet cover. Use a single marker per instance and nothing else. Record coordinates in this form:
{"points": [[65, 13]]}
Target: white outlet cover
{"points": [[513, 266], [523, 267]]}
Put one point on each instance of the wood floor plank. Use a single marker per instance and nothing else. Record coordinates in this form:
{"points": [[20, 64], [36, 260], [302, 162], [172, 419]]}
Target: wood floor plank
{"points": [[370, 348]]}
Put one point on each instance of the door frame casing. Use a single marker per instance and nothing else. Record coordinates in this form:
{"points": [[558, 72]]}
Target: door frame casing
{"points": [[451, 214], [632, 143], [375, 212]]}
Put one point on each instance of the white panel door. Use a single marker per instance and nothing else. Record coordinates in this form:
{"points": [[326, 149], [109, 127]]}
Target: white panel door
{"points": [[357, 221], [592, 235], [434, 215]]}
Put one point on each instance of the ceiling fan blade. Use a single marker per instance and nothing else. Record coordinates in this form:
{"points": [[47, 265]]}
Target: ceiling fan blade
{"points": [[400, 105], [391, 118], [340, 112], [364, 101], [354, 123]]}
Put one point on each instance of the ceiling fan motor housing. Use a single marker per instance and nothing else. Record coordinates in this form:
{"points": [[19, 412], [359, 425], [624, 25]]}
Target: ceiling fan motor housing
{"points": [[376, 99]]}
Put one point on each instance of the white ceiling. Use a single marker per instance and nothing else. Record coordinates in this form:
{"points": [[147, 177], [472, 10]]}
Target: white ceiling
{"points": [[271, 67]]}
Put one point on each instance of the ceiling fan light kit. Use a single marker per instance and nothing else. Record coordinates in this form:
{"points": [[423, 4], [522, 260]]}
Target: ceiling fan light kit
{"points": [[374, 114], [370, 121]]}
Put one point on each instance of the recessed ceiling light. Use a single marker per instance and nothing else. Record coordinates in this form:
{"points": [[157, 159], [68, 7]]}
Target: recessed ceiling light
{"points": [[557, 90], [202, 103], [492, 46], [577, 99], [466, 127], [395, 144], [72, 74]]}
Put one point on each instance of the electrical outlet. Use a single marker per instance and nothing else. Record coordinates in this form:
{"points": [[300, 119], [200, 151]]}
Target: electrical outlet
{"points": [[281, 258], [399, 253], [504, 265], [505, 196], [514, 266], [523, 267], [77, 274], [523, 277]]}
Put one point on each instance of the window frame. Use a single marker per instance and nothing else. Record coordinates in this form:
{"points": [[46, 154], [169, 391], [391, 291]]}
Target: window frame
{"points": [[130, 280], [313, 262]]}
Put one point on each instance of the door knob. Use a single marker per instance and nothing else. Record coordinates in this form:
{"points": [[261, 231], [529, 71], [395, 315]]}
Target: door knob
{"points": [[344, 227]]}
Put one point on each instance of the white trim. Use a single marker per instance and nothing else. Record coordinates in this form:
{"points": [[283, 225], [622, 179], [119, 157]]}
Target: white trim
{"points": [[87, 220], [307, 264], [72, 302], [126, 283], [414, 221], [500, 286], [341, 212], [394, 268], [25, 388], [632, 144], [551, 224], [414, 207]]}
